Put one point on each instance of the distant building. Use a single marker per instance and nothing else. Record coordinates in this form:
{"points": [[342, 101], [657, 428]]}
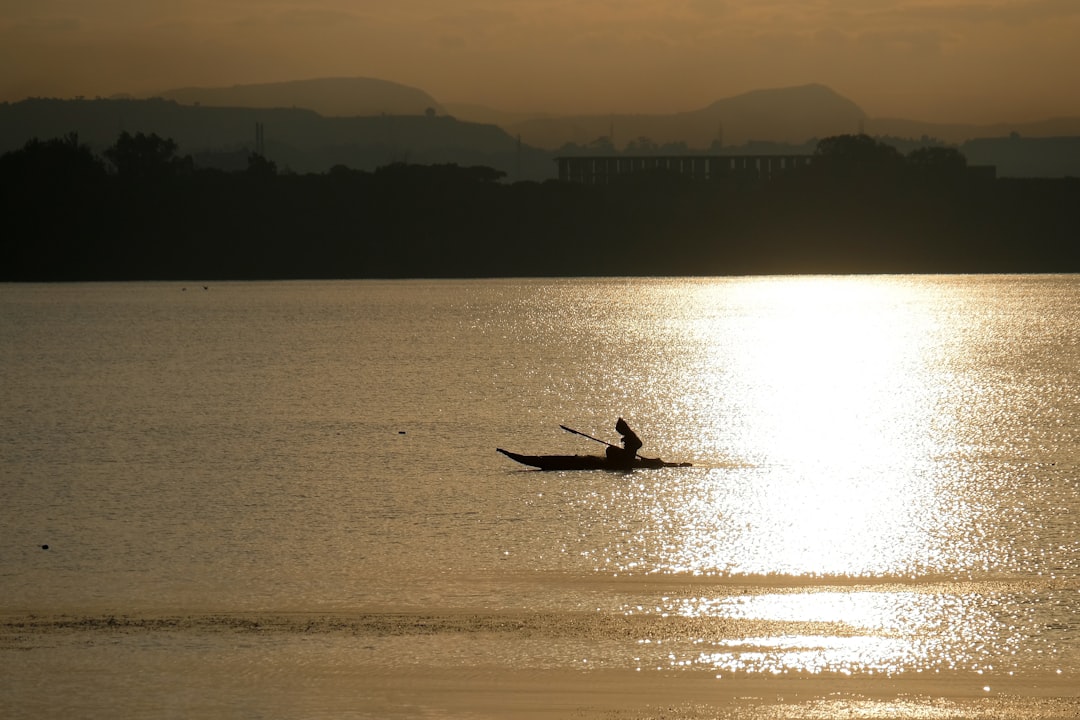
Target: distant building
{"points": [[600, 169]]}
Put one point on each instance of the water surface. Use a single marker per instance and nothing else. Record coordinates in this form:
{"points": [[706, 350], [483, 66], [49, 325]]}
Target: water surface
{"points": [[885, 477]]}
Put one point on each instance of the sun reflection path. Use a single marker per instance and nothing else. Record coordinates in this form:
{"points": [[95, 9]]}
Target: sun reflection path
{"points": [[857, 470], [761, 521], [830, 390], [823, 368]]}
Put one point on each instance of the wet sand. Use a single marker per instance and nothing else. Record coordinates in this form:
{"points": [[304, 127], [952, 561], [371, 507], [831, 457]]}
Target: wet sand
{"points": [[448, 665]]}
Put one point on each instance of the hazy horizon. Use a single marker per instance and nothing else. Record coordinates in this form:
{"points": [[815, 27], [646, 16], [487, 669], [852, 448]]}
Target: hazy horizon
{"points": [[965, 61]]}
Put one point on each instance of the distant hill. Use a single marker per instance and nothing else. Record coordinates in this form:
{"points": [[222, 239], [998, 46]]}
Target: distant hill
{"points": [[311, 126], [295, 139], [332, 97], [791, 115]]}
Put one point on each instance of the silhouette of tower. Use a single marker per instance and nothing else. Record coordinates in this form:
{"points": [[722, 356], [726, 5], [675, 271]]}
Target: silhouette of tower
{"points": [[260, 139]]}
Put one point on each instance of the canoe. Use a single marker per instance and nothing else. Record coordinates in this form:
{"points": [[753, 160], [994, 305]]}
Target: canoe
{"points": [[585, 462]]}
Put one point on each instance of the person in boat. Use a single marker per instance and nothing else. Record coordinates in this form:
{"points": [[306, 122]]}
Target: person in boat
{"points": [[624, 456]]}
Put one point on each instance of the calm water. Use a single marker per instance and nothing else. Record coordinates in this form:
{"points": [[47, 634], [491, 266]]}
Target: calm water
{"points": [[885, 477]]}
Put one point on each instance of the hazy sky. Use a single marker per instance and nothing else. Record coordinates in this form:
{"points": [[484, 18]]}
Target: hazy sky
{"points": [[937, 60]]}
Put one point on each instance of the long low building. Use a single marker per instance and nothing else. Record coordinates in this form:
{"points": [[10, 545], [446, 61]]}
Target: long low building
{"points": [[600, 169]]}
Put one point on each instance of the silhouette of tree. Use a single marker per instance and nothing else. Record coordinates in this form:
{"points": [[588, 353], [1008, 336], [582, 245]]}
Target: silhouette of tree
{"points": [[144, 157], [51, 199], [938, 160], [259, 166], [602, 145], [856, 156], [484, 174], [343, 172], [860, 207], [642, 145], [60, 161]]}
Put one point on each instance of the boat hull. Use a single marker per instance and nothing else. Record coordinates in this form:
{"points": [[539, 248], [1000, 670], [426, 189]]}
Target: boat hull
{"points": [[585, 462]]}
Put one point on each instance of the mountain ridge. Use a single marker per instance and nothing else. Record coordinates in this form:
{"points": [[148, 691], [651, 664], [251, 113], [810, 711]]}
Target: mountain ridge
{"points": [[296, 138], [329, 96], [791, 114], [768, 121]]}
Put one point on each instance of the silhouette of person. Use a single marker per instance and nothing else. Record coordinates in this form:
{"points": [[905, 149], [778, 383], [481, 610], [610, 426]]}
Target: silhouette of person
{"points": [[624, 456]]}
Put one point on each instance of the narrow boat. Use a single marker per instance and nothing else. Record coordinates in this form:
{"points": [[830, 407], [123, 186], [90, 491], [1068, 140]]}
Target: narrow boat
{"points": [[585, 462]]}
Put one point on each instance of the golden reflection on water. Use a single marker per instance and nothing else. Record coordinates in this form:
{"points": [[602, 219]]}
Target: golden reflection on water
{"points": [[884, 631], [986, 630], [827, 388], [850, 402], [828, 369]]}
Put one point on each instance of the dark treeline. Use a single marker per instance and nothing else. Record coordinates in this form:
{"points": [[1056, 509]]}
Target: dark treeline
{"points": [[142, 212]]}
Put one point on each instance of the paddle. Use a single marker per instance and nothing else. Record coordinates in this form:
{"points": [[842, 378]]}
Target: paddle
{"points": [[602, 442], [578, 432]]}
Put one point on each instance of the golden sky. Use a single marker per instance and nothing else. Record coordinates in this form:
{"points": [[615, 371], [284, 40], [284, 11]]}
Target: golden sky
{"points": [[933, 60]]}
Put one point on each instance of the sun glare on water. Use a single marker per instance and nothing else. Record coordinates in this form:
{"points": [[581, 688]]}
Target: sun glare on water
{"points": [[838, 512], [820, 399]]}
